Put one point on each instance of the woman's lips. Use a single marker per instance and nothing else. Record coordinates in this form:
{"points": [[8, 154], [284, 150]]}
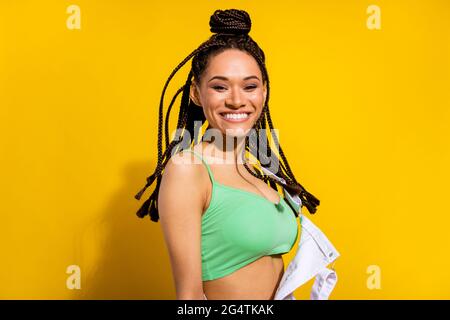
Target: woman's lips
{"points": [[236, 120]]}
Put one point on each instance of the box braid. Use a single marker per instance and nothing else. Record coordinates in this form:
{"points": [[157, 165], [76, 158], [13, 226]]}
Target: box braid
{"points": [[230, 28]]}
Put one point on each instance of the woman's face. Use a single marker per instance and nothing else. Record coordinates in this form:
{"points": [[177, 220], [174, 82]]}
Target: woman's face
{"points": [[231, 92]]}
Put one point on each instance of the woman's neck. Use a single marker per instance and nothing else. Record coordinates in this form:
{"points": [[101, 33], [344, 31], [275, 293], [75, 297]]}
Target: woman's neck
{"points": [[229, 150]]}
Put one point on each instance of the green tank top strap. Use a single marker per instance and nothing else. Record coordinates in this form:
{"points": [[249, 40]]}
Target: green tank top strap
{"points": [[206, 165]]}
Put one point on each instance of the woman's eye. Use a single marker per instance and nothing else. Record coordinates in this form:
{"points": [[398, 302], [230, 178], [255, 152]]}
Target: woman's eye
{"points": [[219, 88]]}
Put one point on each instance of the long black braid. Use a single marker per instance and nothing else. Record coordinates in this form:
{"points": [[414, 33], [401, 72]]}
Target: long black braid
{"points": [[230, 28]]}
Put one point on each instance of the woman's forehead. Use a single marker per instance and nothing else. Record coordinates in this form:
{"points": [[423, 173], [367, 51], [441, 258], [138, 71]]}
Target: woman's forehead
{"points": [[232, 64]]}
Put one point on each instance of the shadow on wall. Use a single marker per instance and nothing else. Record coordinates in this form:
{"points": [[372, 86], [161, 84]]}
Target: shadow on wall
{"points": [[122, 256]]}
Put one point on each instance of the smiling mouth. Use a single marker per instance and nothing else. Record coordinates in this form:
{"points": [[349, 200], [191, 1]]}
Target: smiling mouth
{"points": [[235, 117]]}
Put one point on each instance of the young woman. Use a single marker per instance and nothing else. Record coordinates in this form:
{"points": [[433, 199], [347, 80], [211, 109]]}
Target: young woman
{"points": [[225, 224]]}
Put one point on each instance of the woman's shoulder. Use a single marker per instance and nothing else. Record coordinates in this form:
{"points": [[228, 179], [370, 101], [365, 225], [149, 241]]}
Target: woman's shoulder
{"points": [[180, 164], [183, 169], [182, 180]]}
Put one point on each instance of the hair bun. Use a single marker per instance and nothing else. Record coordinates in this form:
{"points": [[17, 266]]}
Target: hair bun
{"points": [[230, 21]]}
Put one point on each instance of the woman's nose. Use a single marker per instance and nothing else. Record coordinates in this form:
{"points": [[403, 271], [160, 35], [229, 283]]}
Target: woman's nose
{"points": [[235, 99]]}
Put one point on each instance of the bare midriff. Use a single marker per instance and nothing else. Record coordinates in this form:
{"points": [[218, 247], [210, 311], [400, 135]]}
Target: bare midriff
{"points": [[258, 280]]}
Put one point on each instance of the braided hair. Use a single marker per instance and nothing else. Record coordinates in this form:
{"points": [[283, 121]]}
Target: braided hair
{"points": [[230, 29]]}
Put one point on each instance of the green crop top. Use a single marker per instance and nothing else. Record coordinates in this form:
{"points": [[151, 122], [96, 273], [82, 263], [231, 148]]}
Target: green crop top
{"points": [[240, 226]]}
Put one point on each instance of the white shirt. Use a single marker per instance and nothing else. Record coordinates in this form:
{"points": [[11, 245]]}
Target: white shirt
{"points": [[314, 253]]}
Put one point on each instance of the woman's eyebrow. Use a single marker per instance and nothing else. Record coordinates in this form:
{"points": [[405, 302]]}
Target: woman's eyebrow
{"points": [[225, 78]]}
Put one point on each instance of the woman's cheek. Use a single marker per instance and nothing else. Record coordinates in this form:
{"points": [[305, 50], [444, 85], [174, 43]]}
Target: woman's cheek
{"points": [[257, 100], [256, 96], [216, 102]]}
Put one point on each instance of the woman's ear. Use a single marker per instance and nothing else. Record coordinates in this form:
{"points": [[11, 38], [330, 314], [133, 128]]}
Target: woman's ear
{"points": [[265, 92], [193, 94]]}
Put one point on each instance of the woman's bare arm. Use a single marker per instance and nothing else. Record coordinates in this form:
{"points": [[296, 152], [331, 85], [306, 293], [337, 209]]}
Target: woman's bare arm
{"points": [[180, 205]]}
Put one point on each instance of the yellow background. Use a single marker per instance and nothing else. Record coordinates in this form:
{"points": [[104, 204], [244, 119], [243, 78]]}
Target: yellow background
{"points": [[363, 117]]}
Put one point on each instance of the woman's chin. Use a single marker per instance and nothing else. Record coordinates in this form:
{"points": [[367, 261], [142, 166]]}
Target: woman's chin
{"points": [[237, 132]]}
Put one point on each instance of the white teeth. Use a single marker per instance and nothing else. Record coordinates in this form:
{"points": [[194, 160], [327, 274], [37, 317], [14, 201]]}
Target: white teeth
{"points": [[236, 115]]}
